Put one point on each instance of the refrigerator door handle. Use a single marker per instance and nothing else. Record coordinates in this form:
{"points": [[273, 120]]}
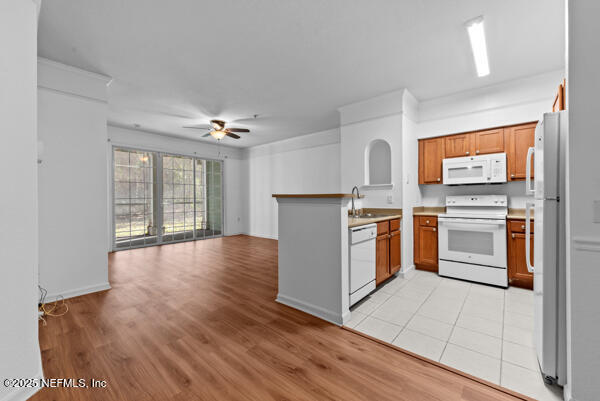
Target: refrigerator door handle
{"points": [[528, 189], [528, 206]]}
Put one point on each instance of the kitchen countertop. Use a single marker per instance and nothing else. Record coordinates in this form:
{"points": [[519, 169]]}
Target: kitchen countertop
{"points": [[378, 215], [316, 196], [428, 210], [517, 214]]}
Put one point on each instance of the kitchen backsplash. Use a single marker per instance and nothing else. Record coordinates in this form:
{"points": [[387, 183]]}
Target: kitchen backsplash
{"points": [[435, 195]]}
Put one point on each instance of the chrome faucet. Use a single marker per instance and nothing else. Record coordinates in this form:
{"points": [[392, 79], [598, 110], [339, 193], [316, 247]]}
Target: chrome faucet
{"points": [[357, 196]]}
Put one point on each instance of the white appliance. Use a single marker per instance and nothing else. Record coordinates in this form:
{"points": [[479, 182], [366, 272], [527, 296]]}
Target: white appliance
{"points": [[362, 261], [549, 261], [485, 169], [472, 239]]}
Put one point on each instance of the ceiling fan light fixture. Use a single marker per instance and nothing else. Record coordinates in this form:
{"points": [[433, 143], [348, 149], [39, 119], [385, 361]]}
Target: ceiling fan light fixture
{"points": [[218, 125], [218, 134]]}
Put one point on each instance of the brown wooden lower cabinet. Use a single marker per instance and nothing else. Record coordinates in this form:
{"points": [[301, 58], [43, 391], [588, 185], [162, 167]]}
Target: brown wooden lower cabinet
{"points": [[395, 247], [388, 250], [518, 275], [426, 243]]}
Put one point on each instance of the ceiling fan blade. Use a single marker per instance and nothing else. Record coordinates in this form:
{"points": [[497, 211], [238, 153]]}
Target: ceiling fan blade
{"points": [[205, 135], [233, 135], [201, 126], [237, 130]]}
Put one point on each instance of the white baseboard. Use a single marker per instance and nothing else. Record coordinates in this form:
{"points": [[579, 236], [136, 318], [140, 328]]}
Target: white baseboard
{"points": [[402, 273], [311, 309], [232, 234], [24, 393], [268, 236], [51, 297]]}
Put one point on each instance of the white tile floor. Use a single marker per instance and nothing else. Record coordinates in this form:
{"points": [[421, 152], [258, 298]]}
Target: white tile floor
{"points": [[484, 331]]}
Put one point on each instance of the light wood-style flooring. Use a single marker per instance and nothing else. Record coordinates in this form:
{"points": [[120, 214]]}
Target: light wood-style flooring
{"points": [[198, 321]]}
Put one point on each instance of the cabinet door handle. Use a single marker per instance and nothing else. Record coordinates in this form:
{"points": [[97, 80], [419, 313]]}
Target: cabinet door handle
{"points": [[512, 176], [434, 229], [467, 153], [477, 152], [513, 235], [522, 227], [427, 222], [439, 179]]}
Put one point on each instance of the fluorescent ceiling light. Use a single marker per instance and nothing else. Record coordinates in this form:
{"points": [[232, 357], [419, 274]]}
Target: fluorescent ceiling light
{"points": [[477, 37]]}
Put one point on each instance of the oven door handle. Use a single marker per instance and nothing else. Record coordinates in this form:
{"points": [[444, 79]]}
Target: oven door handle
{"points": [[463, 222]]}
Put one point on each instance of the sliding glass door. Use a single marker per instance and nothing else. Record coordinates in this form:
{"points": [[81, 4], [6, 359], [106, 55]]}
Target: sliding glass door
{"points": [[162, 198], [208, 198], [134, 195], [178, 198]]}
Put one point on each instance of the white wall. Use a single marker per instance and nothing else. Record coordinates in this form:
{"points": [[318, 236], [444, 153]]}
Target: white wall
{"points": [[411, 196], [583, 265], [233, 167], [72, 180], [305, 164], [362, 123], [19, 350], [513, 102]]}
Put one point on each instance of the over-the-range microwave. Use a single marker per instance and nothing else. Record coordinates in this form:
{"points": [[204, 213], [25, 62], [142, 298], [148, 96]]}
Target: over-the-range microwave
{"points": [[484, 169]]}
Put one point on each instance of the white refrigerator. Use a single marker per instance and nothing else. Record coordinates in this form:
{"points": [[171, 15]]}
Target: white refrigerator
{"points": [[546, 198]]}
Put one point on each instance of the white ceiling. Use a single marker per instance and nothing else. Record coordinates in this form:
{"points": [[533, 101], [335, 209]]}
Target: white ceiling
{"points": [[292, 62]]}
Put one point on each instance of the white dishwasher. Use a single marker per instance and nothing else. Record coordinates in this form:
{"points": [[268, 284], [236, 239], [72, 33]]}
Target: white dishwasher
{"points": [[362, 261]]}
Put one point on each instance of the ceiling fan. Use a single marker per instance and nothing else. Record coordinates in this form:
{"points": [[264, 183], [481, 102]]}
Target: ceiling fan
{"points": [[218, 130]]}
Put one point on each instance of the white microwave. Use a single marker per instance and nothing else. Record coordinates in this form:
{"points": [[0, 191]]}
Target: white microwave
{"points": [[485, 169]]}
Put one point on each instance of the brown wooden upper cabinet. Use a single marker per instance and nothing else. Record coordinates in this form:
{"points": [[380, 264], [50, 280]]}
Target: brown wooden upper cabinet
{"points": [[560, 102], [431, 154], [512, 140], [458, 145], [489, 141], [520, 139]]}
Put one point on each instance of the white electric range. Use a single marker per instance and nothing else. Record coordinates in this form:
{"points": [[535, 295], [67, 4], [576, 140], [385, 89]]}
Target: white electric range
{"points": [[472, 239]]}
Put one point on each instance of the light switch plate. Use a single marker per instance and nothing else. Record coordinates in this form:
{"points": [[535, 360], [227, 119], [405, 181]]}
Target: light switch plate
{"points": [[597, 211]]}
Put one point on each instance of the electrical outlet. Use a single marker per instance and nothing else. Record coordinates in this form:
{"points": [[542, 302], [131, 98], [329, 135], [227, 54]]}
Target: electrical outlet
{"points": [[390, 199]]}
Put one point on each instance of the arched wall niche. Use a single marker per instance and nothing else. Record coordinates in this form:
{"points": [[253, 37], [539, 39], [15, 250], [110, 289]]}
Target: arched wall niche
{"points": [[378, 164]]}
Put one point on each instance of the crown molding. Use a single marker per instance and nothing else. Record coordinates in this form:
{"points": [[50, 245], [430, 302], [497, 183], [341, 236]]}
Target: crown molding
{"points": [[74, 70]]}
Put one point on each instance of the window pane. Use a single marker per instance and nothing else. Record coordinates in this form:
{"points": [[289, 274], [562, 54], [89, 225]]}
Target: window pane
{"points": [[136, 174], [177, 163], [134, 189], [121, 157], [121, 190], [121, 173]]}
